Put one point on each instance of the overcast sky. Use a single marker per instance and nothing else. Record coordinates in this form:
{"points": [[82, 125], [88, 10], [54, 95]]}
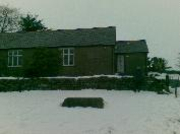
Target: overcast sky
{"points": [[157, 21]]}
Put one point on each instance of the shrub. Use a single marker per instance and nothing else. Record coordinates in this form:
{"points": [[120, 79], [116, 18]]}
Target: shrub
{"points": [[156, 85], [83, 102], [157, 64], [44, 62], [139, 79], [126, 83]]}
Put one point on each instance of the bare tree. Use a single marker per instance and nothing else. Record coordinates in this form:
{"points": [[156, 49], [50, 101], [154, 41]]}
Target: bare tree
{"points": [[9, 19]]}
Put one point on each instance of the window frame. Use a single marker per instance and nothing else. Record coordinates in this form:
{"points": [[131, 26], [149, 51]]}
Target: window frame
{"points": [[68, 54], [15, 54]]}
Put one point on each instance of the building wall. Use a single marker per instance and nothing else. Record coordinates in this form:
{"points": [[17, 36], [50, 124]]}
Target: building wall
{"points": [[3, 62], [133, 61], [88, 61], [92, 60]]}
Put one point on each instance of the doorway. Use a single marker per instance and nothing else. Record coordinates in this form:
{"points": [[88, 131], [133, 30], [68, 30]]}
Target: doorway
{"points": [[120, 64]]}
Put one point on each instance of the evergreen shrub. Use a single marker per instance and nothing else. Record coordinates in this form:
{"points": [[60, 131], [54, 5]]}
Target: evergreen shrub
{"points": [[83, 102], [44, 62], [107, 83]]}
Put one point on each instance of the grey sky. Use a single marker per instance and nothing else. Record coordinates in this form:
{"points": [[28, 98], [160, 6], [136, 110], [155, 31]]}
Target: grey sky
{"points": [[157, 21]]}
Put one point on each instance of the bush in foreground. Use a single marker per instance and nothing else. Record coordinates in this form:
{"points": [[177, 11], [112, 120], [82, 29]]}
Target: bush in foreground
{"points": [[83, 102]]}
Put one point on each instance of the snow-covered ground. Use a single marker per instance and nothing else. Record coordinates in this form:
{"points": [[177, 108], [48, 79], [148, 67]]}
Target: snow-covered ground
{"points": [[125, 112]]}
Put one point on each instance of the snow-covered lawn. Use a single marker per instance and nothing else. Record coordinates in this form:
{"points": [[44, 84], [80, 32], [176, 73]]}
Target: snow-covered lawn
{"points": [[125, 112]]}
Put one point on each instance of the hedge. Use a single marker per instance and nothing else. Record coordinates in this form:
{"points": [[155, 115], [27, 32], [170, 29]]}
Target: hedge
{"points": [[83, 102], [103, 82]]}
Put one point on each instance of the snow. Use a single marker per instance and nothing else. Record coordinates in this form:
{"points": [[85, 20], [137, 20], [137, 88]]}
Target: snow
{"points": [[71, 77], [125, 112], [92, 76], [9, 78], [163, 75]]}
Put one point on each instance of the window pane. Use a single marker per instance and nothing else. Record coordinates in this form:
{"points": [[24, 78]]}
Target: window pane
{"points": [[68, 56], [20, 61], [71, 62], [15, 58], [65, 51], [19, 52], [9, 61], [9, 53], [14, 61], [71, 51], [65, 60], [15, 52]]}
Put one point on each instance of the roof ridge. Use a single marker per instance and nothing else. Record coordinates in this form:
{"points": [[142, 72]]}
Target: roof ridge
{"points": [[86, 28]]}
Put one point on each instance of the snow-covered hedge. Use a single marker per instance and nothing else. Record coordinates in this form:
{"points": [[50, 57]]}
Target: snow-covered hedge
{"points": [[102, 82]]}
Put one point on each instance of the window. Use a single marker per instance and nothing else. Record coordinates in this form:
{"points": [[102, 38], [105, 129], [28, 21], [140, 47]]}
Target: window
{"points": [[68, 57], [14, 58]]}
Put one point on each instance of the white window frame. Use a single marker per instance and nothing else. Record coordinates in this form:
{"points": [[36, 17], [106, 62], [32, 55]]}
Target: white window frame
{"points": [[68, 54], [14, 54]]}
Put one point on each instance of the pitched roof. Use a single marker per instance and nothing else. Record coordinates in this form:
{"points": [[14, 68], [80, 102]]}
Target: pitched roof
{"points": [[138, 46], [59, 38]]}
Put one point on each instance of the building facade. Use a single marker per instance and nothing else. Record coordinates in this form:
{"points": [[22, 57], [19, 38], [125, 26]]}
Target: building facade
{"points": [[83, 51]]}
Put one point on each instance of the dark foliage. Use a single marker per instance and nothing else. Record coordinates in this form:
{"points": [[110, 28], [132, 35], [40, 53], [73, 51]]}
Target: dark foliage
{"points": [[139, 79], [157, 85], [44, 62], [104, 83], [83, 102], [30, 23], [156, 64]]}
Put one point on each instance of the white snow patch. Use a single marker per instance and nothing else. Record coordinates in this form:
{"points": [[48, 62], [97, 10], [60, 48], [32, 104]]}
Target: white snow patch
{"points": [[93, 76], [163, 75], [10, 78], [71, 77], [125, 112]]}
